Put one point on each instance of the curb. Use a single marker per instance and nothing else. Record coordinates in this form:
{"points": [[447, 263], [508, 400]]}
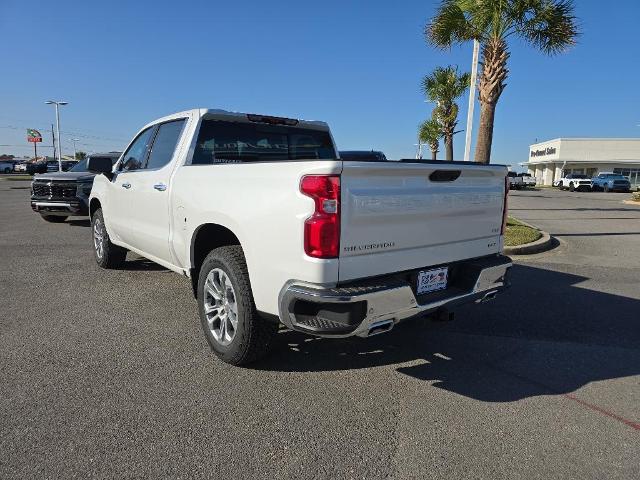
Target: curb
{"points": [[544, 243]]}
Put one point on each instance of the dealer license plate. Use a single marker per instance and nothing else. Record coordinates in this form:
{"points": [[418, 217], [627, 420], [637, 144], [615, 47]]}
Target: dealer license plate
{"points": [[432, 280]]}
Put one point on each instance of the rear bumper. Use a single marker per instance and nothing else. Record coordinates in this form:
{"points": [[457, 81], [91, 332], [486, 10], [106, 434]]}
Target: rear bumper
{"points": [[374, 306]]}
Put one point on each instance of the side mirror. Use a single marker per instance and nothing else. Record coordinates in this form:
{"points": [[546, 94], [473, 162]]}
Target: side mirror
{"points": [[100, 165]]}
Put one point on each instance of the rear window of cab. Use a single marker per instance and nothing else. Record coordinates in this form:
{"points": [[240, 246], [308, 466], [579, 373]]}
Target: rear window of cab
{"points": [[236, 142]]}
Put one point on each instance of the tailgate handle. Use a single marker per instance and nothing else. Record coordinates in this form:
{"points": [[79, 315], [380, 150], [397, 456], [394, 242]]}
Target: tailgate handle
{"points": [[445, 175]]}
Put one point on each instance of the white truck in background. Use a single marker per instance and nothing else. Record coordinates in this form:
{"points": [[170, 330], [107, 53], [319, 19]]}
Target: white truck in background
{"points": [[528, 180], [273, 227], [515, 181]]}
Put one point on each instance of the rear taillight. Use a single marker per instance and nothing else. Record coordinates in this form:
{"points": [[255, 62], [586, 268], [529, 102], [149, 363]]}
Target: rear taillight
{"points": [[322, 229], [505, 209]]}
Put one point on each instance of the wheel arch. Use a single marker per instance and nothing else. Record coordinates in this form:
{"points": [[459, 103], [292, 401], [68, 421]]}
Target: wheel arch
{"points": [[94, 205], [205, 238]]}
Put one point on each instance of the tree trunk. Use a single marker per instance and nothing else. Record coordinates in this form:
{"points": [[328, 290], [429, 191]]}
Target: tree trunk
{"points": [[491, 85], [448, 147], [434, 155], [485, 133]]}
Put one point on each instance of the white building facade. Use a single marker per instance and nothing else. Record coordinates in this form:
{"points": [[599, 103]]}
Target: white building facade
{"points": [[549, 161]]}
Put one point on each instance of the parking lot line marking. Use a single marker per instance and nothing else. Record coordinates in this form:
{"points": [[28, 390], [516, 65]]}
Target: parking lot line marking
{"points": [[595, 408], [569, 396]]}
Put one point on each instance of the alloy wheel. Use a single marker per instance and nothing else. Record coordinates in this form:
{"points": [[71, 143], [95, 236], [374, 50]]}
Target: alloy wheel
{"points": [[98, 238], [220, 306]]}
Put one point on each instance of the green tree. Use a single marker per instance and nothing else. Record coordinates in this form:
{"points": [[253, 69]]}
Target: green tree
{"points": [[444, 86], [548, 25], [430, 132], [80, 155]]}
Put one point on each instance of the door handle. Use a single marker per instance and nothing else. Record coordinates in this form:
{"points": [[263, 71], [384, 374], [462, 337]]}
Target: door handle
{"points": [[161, 187], [126, 185]]}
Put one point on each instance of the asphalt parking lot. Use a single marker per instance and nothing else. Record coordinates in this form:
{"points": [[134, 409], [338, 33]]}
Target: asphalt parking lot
{"points": [[106, 373]]}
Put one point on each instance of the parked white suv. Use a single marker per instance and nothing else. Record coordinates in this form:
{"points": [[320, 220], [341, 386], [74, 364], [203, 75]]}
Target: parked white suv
{"points": [[272, 226], [575, 181]]}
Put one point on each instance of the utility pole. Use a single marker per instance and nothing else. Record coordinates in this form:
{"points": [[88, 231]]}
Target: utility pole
{"points": [[472, 99], [58, 104], [75, 153], [53, 142]]}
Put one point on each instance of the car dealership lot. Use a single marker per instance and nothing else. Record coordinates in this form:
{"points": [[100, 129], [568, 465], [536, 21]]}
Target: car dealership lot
{"points": [[106, 373]]}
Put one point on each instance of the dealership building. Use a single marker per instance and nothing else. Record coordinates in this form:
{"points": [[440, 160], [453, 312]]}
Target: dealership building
{"points": [[549, 161]]}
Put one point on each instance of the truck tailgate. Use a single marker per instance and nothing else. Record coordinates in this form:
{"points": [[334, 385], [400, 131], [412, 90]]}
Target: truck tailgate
{"points": [[401, 216]]}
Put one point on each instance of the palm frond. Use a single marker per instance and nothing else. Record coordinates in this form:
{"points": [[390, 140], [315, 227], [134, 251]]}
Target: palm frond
{"points": [[445, 84], [449, 26], [430, 131], [548, 25]]}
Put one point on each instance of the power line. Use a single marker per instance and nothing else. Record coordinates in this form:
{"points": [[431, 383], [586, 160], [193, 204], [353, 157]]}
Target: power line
{"points": [[75, 134]]}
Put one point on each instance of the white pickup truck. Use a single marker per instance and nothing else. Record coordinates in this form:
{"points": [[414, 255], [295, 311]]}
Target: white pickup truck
{"points": [[272, 226]]}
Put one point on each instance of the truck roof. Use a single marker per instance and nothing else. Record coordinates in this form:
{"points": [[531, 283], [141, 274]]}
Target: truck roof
{"points": [[219, 114]]}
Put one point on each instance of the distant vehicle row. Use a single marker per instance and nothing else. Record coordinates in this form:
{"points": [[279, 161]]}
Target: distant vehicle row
{"points": [[41, 166], [605, 181]]}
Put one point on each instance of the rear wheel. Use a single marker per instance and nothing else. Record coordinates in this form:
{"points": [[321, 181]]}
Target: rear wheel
{"points": [[7, 170], [231, 324], [107, 254], [53, 218]]}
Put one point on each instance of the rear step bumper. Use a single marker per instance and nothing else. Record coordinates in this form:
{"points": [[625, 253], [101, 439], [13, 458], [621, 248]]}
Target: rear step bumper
{"points": [[372, 307]]}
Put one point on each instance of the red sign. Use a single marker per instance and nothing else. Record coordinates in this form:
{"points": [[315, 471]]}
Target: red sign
{"points": [[33, 135]]}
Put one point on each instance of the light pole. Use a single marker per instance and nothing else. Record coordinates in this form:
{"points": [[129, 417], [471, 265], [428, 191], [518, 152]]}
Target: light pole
{"points": [[58, 104], [75, 154], [472, 99]]}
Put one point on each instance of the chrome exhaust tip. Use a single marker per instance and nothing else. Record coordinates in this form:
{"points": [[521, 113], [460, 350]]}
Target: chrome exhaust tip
{"points": [[487, 297], [380, 327]]}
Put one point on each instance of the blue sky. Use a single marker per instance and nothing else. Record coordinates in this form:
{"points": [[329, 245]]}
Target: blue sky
{"points": [[356, 65]]}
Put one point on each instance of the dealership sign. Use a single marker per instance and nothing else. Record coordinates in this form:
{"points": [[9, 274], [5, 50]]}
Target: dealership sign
{"points": [[33, 135], [543, 152]]}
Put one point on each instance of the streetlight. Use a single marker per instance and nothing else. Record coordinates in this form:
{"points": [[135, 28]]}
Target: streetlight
{"points": [[75, 154], [58, 104], [472, 99]]}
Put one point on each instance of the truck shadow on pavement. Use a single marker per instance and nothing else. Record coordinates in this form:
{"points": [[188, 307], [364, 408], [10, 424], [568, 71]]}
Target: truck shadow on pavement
{"points": [[79, 222], [544, 336]]}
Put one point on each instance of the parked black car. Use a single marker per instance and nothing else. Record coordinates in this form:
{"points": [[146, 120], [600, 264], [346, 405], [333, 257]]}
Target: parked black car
{"points": [[36, 167], [52, 165], [58, 195]]}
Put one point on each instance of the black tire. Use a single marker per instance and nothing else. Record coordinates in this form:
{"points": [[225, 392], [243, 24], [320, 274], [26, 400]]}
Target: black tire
{"points": [[110, 255], [7, 170], [606, 188], [253, 335], [53, 218], [572, 188]]}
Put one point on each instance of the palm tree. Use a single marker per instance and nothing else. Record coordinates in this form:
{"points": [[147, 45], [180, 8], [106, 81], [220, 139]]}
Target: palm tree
{"points": [[430, 132], [548, 25], [443, 86]]}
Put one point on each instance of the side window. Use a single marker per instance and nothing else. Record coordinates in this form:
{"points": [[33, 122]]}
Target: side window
{"points": [[134, 157], [165, 143]]}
